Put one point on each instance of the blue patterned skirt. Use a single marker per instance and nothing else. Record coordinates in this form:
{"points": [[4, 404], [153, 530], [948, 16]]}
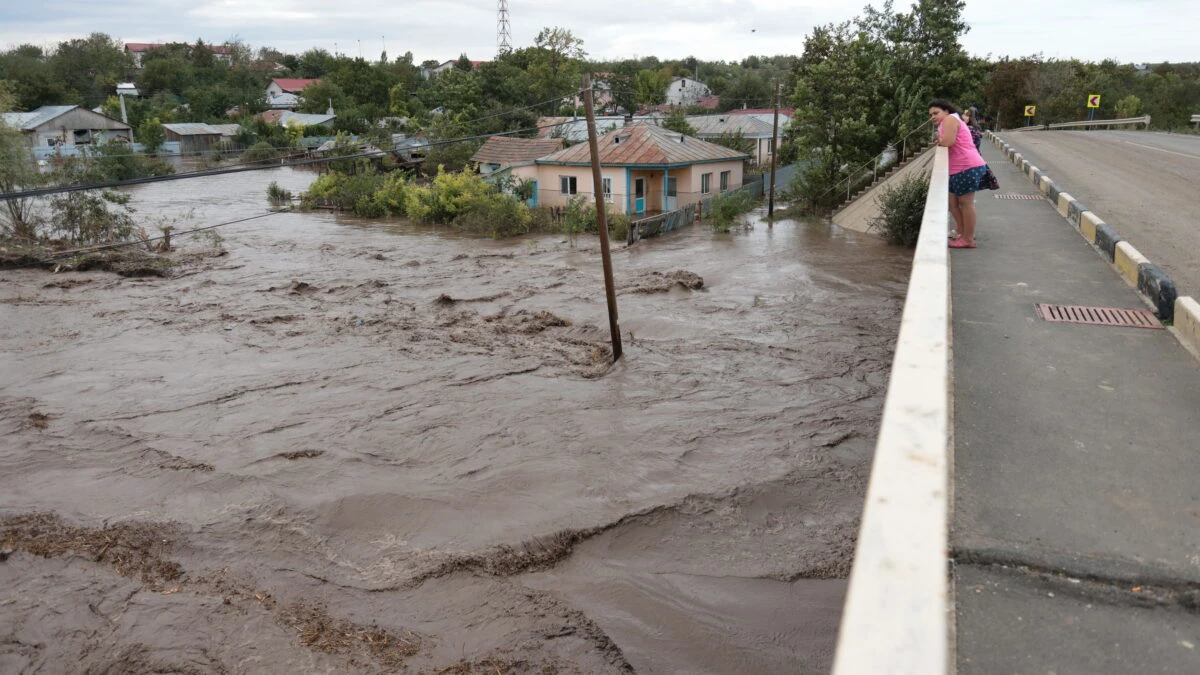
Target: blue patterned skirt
{"points": [[966, 182]]}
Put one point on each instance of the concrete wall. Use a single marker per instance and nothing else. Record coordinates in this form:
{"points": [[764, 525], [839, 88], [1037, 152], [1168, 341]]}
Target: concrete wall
{"points": [[858, 214]]}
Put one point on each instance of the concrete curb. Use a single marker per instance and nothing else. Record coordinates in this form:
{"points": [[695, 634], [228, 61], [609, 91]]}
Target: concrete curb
{"points": [[1155, 286], [1187, 324]]}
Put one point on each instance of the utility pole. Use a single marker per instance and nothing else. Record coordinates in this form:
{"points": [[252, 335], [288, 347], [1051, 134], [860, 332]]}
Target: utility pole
{"points": [[774, 152], [601, 218]]}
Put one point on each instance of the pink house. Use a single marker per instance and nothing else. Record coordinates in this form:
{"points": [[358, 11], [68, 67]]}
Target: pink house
{"points": [[644, 169]]}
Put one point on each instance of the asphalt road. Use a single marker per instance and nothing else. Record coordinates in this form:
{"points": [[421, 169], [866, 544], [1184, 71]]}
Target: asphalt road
{"points": [[1143, 184]]}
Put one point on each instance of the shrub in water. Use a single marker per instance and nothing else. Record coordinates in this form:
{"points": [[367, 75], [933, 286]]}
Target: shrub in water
{"points": [[727, 207], [901, 208]]}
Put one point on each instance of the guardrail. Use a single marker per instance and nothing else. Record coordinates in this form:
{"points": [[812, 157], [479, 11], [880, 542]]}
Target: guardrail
{"points": [[1196, 120], [1144, 119], [896, 617]]}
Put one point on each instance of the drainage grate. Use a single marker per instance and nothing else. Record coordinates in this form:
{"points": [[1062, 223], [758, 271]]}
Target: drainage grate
{"points": [[1100, 316], [1010, 195]]}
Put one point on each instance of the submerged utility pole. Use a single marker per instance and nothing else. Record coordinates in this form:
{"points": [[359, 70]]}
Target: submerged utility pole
{"points": [[774, 151], [601, 218]]}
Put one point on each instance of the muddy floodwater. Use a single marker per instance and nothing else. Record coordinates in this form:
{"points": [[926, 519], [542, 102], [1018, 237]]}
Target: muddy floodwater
{"points": [[360, 446]]}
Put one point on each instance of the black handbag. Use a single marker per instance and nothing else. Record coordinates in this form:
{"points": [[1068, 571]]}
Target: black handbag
{"points": [[989, 181]]}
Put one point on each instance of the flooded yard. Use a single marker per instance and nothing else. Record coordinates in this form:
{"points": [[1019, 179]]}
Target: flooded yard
{"points": [[359, 446]]}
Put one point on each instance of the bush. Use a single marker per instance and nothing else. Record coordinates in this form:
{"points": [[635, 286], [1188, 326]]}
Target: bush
{"points": [[260, 153], [495, 214], [446, 197], [727, 207], [278, 196], [901, 209]]}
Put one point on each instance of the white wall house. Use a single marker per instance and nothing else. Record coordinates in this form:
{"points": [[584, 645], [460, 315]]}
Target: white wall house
{"points": [[686, 91]]}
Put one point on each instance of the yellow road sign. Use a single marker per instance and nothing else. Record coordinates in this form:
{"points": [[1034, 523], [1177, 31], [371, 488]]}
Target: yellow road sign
{"points": [[1093, 100], [1030, 110]]}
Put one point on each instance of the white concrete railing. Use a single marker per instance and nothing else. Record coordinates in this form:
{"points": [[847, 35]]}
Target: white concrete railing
{"points": [[1196, 120], [896, 617], [1144, 119]]}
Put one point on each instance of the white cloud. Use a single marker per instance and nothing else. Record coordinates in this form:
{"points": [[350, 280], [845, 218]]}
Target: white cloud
{"points": [[1125, 30]]}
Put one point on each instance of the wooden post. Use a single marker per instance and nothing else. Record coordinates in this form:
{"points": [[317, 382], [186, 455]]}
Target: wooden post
{"points": [[601, 219], [774, 152]]}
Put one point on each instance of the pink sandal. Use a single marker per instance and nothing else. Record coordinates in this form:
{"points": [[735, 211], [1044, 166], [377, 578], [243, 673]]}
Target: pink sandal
{"points": [[961, 243]]}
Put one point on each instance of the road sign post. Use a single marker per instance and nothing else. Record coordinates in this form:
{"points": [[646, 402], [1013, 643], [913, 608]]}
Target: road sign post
{"points": [[1030, 111], [1093, 102]]}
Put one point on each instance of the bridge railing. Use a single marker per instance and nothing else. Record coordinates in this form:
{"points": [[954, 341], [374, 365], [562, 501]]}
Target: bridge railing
{"points": [[896, 617], [1126, 121]]}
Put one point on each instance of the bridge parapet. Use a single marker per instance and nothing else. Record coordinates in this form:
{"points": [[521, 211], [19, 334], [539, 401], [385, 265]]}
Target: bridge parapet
{"points": [[896, 612]]}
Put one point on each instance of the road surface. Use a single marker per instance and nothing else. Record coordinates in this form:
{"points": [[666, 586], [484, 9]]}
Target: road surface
{"points": [[1143, 184]]}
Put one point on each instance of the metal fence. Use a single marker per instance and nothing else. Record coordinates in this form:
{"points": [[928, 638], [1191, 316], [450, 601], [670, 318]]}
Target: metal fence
{"points": [[662, 223]]}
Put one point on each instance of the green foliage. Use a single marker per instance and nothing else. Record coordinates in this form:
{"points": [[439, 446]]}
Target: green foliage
{"points": [[677, 121], [1130, 106], [278, 196], [85, 217], [727, 207], [151, 135], [735, 141], [18, 172], [901, 209], [446, 197], [452, 156], [650, 87], [260, 153], [580, 216], [367, 194], [494, 214]]}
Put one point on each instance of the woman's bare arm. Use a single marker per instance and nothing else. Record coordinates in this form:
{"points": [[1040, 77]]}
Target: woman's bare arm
{"points": [[949, 131]]}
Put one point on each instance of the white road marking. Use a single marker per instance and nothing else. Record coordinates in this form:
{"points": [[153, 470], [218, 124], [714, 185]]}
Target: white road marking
{"points": [[1151, 147]]}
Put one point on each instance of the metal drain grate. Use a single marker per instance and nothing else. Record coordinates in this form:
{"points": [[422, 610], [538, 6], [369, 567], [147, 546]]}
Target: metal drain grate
{"points": [[1099, 316], [1010, 195]]}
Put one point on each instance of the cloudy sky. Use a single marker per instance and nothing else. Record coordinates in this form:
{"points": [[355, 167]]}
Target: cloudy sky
{"points": [[1125, 30]]}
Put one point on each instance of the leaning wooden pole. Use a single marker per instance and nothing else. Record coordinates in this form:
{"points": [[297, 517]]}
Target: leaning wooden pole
{"points": [[774, 152], [601, 219]]}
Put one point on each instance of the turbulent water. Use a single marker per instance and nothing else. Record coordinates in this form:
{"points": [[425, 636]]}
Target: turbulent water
{"points": [[365, 446]]}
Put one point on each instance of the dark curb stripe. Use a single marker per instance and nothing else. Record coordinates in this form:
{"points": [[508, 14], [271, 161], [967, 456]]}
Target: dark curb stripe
{"points": [[1052, 193], [1074, 210], [1106, 241], [1156, 285]]}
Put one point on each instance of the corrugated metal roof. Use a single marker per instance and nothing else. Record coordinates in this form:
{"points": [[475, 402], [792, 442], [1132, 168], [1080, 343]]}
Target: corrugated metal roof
{"points": [[307, 119], [504, 150], [644, 144], [716, 125], [226, 129], [191, 129], [31, 120], [574, 130]]}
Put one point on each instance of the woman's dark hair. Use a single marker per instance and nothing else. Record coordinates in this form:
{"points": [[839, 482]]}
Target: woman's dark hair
{"points": [[973, 122], [944, 105]]}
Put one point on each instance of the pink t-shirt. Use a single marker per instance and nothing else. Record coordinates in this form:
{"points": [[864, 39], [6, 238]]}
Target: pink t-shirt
{"points": [[963, 154]]}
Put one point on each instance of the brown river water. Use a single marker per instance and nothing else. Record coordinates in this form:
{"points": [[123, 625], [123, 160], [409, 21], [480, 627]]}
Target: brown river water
{"points": [[360, 446]]}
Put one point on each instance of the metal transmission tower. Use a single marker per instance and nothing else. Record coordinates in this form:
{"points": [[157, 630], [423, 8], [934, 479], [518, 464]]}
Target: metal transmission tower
{"points": [[503, 34]]}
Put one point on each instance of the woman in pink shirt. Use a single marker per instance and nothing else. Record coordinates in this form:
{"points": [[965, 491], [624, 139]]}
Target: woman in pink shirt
{"points": [[967, 169]]}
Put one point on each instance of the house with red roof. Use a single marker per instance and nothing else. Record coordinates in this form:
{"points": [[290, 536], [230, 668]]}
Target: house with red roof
{"points": [[644, 169], [284, 85]]}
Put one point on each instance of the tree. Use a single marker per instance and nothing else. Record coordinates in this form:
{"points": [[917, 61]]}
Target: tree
{"points": [[677, 121], [320, 96], [151, 135], [650, 87], [556, 64], [18, 172], [89, 68]]}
